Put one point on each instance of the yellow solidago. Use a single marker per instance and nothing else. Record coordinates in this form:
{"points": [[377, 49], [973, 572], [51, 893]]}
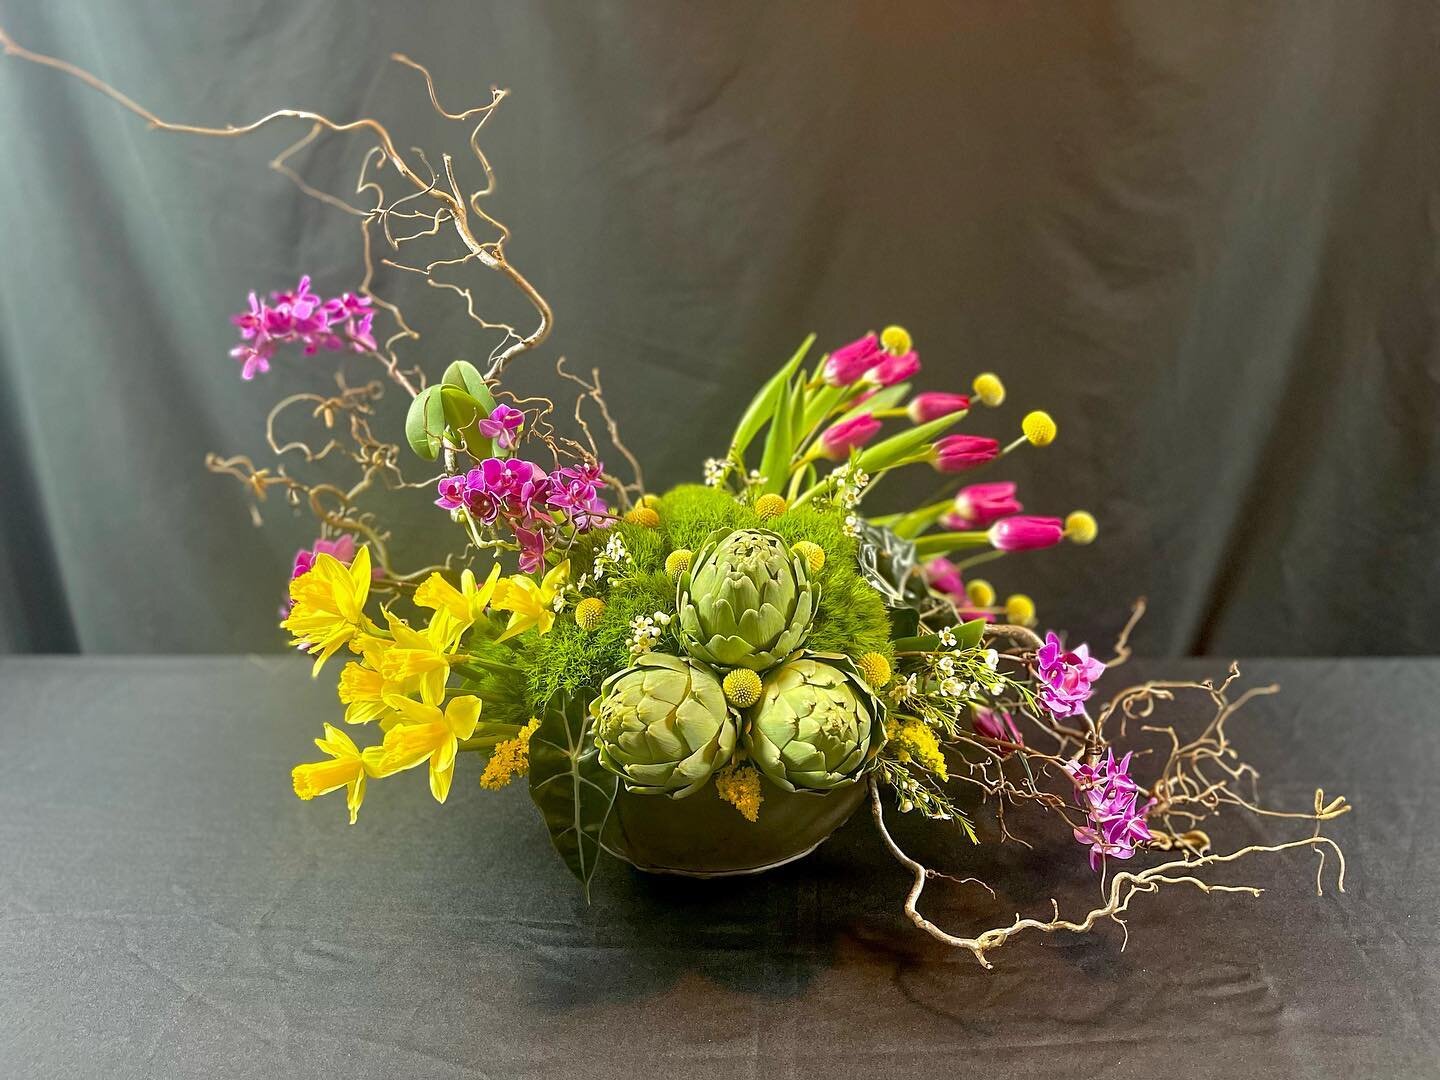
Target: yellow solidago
{"points": [[509, 759], [914, 741], [739, 785], [420, 660], [329, 605], [425, 733], [345, 768], [530, 603], [464, 605]]}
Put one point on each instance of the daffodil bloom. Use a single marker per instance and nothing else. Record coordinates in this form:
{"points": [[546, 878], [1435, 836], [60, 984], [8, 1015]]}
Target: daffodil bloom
{"points": [[530, 604], [426, 733], [420, 659], [466, 604], [362, 691], [345, 768], [329, 605]]}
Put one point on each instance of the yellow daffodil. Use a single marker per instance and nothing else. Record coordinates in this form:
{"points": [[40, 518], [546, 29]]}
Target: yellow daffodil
{"points": [[530, 604], [362, 691], [466, 604], [424, 732], [345, 768], [329, 605], [420, 659]]}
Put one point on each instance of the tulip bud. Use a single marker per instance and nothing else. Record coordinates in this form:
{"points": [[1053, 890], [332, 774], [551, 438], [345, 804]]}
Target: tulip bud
{"points": [[995, 724], [849, 362], [956, 453], [931, 406], [838, 440], [977, 505], [894, 369], [1025, 533]]}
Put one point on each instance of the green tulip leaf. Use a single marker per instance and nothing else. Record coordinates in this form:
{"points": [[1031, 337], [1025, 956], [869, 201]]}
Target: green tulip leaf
{"points": [[762, 407], [573, 792]]}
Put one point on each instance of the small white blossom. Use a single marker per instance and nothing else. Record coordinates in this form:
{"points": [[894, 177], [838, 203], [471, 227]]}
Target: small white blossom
{"points": [[947, 637], [851, 526], [952, 688], [716, 471], [991, 658]]}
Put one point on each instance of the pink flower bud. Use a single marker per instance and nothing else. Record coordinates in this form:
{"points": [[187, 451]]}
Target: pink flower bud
{"points": [[1025, 533], [979, 504], [944, 577], [956, 453], [894, 369], [838, 440], [931, 406], [849, 362], [995, 724]]}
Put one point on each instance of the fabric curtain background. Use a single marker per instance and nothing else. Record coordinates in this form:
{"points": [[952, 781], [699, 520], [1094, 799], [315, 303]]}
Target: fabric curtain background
{"points": [[1204, 236]]}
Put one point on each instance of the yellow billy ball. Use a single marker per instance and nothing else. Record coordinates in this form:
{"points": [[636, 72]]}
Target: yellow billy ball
{"points": [[678, 561], [1081, 527], [989, 389], [1039, 428], [980, 592], [875, 669], [1020, 610], [644, 516], [769, 507], [812, 553], [651, 501], [896, 340], [589, 612], [742, 688]]}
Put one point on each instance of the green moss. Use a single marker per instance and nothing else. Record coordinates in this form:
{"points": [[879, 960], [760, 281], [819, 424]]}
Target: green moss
{"points": [[569, 658], [851, 619]]}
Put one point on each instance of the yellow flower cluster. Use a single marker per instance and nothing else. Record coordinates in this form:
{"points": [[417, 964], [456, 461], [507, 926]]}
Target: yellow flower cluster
{"points": [[739, 785], [914, 740], [509, 759], [400, 680]]}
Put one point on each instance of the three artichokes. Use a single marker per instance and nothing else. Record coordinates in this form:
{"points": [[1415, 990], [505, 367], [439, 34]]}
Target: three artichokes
{"points": [[664, 726]]}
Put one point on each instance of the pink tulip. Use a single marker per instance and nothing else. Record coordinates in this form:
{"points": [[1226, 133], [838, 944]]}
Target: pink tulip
{"points": [[944, 577], [894, 369], [931, 406], [849, 362], [838, 440], [956, 453], [979, 504], [995, 724], [1025, 533]]}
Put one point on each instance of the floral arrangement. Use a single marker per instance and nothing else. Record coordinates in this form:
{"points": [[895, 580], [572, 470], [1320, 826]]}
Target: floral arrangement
{"points": [[708, 679]]}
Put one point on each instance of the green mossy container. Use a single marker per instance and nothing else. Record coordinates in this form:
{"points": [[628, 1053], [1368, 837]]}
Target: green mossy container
{"points": [[704, 836]]}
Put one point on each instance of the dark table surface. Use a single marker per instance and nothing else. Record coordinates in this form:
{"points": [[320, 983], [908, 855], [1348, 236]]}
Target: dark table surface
{"points": [[170, 909]]}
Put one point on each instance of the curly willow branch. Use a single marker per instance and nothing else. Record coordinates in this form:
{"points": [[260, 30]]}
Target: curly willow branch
{"points": [[455, 205], [1123, 888]]}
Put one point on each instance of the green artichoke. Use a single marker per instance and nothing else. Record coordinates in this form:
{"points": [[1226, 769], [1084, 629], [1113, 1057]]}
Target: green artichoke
{"points": [[663, 725], [747, 600], [816, 725]]}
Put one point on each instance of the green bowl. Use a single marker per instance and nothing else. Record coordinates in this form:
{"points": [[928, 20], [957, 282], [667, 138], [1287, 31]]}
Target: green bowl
{"points": [[704, 836]]}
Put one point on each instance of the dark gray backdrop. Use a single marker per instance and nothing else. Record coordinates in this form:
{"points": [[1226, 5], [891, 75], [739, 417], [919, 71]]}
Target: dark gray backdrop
{"points": [[1202, 235]]}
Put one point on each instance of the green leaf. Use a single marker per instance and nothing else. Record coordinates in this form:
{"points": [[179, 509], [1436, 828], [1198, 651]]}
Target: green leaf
{"points": [[945, 542], [968, 635], [775, 464], [567, 782], [466, 376], [904, 621], [463, 414], [425, 423], [898, 447], [888, 398], [916, 522], [762, 407]]}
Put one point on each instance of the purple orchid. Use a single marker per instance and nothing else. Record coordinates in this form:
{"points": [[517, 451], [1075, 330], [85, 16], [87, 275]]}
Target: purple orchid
{"points": [[1110, 799], [1065, 677], [503, 425], [301, 317]]}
